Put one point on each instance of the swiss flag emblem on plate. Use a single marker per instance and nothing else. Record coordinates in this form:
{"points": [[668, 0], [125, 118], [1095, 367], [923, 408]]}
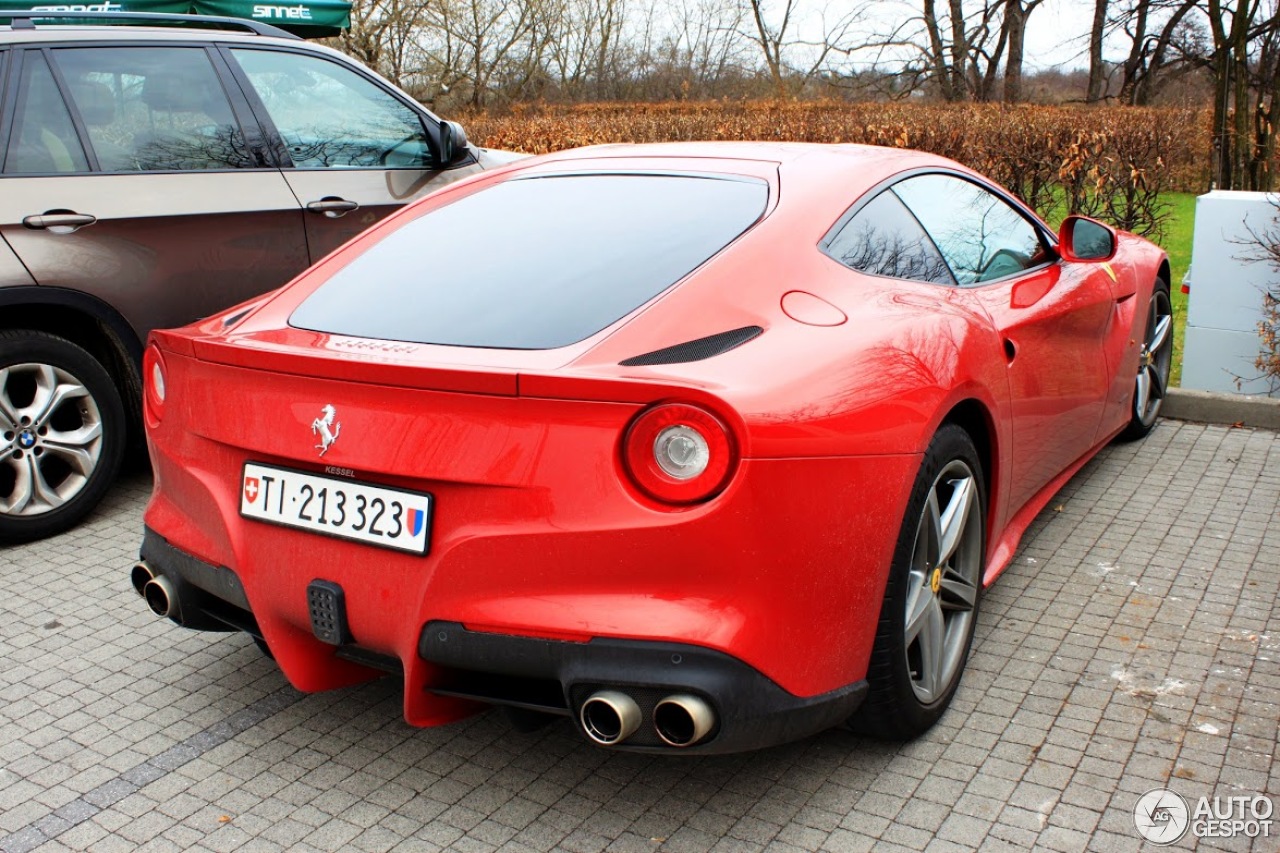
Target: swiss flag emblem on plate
{"points": [[251, 489]]}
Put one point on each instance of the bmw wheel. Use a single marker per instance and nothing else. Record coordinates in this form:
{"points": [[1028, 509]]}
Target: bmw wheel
{"points": [[1152, 382], [62, 435], [931, 598]]}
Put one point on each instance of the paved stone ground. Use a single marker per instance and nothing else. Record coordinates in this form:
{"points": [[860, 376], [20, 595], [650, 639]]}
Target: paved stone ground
{"points": [[1132, 645]]}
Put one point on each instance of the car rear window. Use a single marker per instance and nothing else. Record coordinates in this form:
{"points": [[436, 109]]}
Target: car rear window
{"points": [[534, 263]]}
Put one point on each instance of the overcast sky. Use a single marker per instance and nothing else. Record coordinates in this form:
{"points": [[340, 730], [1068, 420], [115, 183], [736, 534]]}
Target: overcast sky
{"points": [[1057, 31], [1058, 34]]}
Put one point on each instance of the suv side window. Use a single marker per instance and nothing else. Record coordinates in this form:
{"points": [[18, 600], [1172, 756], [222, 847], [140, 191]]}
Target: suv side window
{"points": [[979, 234], [153, 109], [4, 124], [883, 238], [331, 117], [44, 138]]}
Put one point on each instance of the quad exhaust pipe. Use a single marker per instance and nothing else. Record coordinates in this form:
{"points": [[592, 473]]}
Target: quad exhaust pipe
{"points": [[609, 717], [140, 576], [683, 720], [161, 598], [157, 590]]}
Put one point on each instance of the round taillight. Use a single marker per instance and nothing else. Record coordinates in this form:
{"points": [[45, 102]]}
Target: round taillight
{"points": [[677, 453], [153, 374], [157, 381], [681, 451]]}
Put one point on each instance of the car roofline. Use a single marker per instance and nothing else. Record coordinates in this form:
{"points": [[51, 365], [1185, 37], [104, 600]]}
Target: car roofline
{"points": [[221, 28]]}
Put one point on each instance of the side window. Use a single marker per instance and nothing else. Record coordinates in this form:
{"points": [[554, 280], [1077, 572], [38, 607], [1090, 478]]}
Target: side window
{"points": [[4, 124], [883, 238], [153, 109], [43, 140], [333, 118], [981, 237]]}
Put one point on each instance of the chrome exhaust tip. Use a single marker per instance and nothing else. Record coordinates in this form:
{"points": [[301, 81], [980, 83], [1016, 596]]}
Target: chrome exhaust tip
{"points": [[160, 597], [609, 717], [683, 720], [140, 575]]}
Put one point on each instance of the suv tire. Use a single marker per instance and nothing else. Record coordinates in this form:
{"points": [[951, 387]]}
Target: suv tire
{"points": [[62, 434]]}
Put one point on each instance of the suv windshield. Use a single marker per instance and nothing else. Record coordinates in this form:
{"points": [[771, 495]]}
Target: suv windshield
{"points": [[534, 263]]}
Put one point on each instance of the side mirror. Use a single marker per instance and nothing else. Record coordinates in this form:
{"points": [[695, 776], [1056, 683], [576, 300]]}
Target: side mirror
{"points": [[1083, 239], [453, 142]]}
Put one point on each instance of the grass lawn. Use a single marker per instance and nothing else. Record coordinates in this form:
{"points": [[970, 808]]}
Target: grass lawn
{"points": [[1177, 242]]}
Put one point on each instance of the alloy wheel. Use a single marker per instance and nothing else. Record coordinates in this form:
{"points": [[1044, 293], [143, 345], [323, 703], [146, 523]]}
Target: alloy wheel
{"points": [[942, 587], [1155, 361], [51, 438]]}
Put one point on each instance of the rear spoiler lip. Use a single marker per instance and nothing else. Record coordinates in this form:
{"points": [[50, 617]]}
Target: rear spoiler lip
{"points": [[356, 367], [506, 382], [608, 389]]}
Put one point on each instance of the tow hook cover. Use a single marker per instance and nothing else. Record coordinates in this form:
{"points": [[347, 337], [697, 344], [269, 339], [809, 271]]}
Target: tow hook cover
{"points": [[327, 604]]}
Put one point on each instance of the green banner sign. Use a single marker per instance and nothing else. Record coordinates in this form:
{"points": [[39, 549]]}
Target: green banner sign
{"points": [[309, 18]]}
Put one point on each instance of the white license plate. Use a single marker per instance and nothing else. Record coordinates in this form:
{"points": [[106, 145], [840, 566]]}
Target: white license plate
{"points": [[376, 515]]}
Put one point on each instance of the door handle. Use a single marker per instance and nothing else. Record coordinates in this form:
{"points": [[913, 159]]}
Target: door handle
{"points": [[332, 206], [59, 221]]}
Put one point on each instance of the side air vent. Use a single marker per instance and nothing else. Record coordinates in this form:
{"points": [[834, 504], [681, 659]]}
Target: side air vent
{"points": [[698, 350]]}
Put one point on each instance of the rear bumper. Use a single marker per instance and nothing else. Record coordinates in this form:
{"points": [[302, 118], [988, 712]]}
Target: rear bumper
{"points": [[550, 676], [785, 571], [535, 531], [209, 598], [557, 677]]}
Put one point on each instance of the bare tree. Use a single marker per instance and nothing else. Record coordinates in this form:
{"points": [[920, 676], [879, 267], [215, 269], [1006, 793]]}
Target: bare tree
{"points": [[591, 47], [792, 59], [1267, 104], [951, 88], [1154, 34], [475, 44], [1149, 47], [1097, 67], [383, 35], [959, 53], [965, 49], [479, 52], [700, 49], [1235, 30], [1016, 13]]}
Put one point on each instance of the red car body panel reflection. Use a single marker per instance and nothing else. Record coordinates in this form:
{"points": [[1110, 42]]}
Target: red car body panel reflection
{"points": [[539, 532]]}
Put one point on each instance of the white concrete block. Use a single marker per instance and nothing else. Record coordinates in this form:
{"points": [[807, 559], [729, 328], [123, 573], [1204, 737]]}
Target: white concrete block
{"points": [[1222, 360], [1228, 276]]}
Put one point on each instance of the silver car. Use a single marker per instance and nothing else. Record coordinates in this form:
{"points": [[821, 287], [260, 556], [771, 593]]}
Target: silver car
{"points": [[156, 174]]}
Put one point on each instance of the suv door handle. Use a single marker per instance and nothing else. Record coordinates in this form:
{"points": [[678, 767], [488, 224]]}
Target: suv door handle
{"points": [[332, 206], [59, 221]]}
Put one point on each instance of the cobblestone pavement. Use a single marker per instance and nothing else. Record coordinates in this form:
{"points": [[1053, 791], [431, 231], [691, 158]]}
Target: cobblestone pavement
{"points": [[1132, 645]]}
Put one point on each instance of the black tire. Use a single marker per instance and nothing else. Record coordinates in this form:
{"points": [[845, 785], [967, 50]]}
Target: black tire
{"points": [[1154, 365], [66, 485], [903, 702]]}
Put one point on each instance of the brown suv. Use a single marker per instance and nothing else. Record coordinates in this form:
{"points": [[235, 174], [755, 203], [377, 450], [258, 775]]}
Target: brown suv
{"points": [[152, 175]]}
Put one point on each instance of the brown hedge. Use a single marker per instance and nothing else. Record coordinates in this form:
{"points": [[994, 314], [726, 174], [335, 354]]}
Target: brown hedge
{"points": [[1112, 162]]}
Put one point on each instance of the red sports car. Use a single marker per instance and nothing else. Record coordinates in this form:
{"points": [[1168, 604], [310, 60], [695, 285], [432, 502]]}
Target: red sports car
{"points": [[705, 446]]}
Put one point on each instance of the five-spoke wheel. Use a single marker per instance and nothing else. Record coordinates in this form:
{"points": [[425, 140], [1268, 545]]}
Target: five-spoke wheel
{"points": [[1154, 364], [932, 594], [61, 434], [942, 586]]}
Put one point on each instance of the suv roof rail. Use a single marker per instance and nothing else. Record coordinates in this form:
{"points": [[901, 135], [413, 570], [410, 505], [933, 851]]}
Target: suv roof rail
{"points": [[24, 19]]}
